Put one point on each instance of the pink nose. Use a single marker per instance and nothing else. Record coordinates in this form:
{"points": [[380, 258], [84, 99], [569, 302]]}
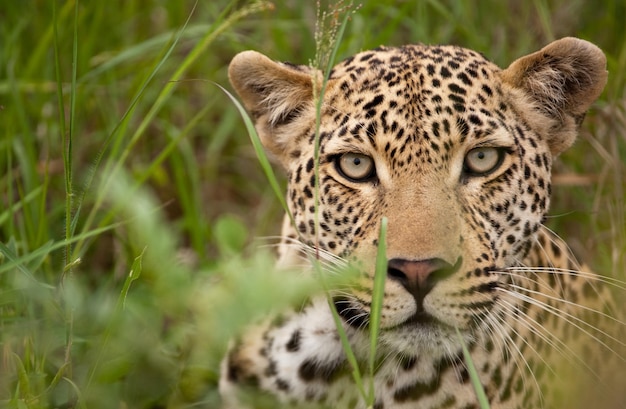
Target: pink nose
{"points": [[419, 277]]}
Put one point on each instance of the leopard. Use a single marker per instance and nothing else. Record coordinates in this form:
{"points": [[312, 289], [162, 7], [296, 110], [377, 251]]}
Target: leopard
{"points": [[450, 157]]}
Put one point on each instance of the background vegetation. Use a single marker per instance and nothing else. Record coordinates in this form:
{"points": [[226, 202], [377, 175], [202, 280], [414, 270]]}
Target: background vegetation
{"points": [[130, 194]]}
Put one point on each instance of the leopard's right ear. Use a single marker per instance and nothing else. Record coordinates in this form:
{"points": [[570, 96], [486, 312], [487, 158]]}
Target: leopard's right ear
{"points": [[275, 94]]}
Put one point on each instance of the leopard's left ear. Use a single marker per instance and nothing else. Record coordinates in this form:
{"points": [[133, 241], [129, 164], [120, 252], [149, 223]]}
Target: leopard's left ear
{"points": [[561, 80]]}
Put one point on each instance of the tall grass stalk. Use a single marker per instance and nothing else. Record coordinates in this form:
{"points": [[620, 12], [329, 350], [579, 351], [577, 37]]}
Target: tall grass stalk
{"points": [[378, 292], [66, 141], [260, 153], [329, 31], [473, 374], [328, 34]]}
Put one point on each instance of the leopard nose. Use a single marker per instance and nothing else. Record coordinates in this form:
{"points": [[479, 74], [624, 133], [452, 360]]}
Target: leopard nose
{"points": [[419, 277]]}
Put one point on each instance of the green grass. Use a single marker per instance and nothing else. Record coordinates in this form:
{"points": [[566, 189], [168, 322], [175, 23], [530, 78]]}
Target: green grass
{"points": [[131, 194]]}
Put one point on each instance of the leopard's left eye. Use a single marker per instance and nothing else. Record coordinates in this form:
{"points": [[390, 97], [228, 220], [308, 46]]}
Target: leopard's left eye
{"points": [[481, 161], [355, 166]]}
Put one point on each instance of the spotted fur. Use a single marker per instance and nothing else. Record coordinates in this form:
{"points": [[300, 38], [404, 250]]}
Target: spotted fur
{"points": [[456, 153]]}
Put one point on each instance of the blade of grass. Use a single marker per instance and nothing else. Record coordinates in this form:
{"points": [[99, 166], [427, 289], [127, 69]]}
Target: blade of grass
{"points": [[347, 348], [377, 302], [129, 54], [39, 54], [36, 256], [67, 134], [543, 9], [79, 401], [260, 152], [66, 141], [15, 207], [475, 379], [52, 246]]}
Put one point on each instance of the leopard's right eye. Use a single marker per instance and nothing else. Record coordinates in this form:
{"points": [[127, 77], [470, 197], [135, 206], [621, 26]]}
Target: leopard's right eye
{"points": [[356, 167]]}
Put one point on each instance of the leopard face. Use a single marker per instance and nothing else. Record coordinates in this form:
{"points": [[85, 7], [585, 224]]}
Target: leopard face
{"points": [[454, 152]]}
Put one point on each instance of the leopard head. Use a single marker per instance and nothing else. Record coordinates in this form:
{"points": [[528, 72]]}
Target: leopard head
{"points": [[453, 151]]}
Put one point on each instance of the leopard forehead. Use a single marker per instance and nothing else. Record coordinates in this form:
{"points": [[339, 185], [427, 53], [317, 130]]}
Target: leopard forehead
{"points": [[407, 70], [399, 100]]}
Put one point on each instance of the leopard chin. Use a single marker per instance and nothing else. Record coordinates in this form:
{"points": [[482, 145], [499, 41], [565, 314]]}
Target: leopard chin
{"points": [[433, 339]]}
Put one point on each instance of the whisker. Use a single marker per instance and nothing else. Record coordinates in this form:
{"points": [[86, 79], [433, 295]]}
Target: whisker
{"points": [[582, 274], [528, 322], [523, 358], [610, 307], [565, 316], [567, 302], [547, 256]]}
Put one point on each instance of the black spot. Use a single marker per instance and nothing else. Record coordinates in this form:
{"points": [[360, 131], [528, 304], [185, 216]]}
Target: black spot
{"points": [[298, 174], [465, 377], [457, 99], [407, 362], [282, 385], [377, 100], [464, 78], [294, 342], [271, 370], [302, 227], [475, 120], [307, 192], [233, 372], [445, 72], [453, 64], [322, 371], [236, 371], [459, 107], [310, 165], [416, 391], [456, 89]]}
